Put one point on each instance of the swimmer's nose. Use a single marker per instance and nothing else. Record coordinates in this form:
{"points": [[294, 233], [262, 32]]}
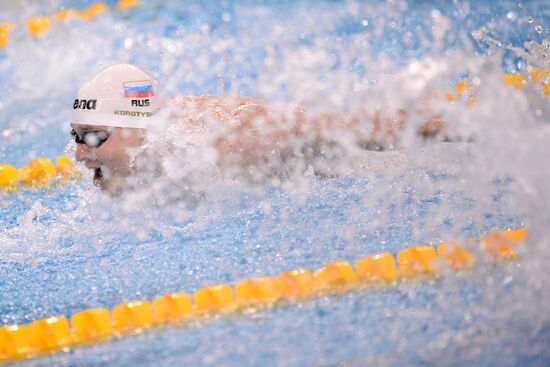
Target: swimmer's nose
{"points": [[83, 153]]}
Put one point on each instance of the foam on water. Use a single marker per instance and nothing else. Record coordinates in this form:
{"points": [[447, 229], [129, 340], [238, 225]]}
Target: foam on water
{"points": [[70, 248]]}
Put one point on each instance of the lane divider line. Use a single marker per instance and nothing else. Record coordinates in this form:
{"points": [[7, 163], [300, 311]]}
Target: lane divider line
{"points": [[39, 25], [39, 173], [53, 334]]}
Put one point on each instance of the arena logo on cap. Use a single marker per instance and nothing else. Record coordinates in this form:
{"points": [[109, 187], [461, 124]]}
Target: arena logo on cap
{"points": [[138, 89], [84, 104]]}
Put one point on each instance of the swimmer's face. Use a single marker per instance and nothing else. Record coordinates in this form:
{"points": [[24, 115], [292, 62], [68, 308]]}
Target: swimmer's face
{"points": [[110, 161]]}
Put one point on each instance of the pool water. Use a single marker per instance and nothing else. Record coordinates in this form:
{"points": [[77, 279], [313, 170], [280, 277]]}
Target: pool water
{"points": [[69, 247]]}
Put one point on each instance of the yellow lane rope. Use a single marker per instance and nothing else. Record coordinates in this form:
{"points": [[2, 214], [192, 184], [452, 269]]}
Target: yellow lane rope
{"points": [[53, 334], [39, 25], [39, 173]]}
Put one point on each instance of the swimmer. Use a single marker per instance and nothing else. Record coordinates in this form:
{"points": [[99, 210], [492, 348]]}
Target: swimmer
{"points": [[113, 112]]}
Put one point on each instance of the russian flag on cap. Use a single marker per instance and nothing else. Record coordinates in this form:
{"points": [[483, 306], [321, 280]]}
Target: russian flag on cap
{"points": [[138, 89]]}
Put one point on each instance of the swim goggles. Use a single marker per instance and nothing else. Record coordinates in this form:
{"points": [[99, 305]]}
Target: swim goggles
{"points": [[93, 139]]}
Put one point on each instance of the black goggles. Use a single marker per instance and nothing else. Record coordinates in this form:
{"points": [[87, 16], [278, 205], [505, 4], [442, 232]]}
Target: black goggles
{"points": [[93, 139]]}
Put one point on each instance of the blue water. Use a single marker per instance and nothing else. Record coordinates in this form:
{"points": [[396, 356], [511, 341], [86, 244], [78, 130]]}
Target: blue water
{"points": [[70, 248]]}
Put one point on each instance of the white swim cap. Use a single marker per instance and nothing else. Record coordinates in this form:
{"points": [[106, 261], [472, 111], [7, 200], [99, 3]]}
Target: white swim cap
{"points": [[122, 95]]}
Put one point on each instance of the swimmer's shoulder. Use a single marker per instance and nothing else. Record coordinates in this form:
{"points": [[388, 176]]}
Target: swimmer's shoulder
{"points": [[222, 107], [225, 109], [191, 102], [206, 102]]}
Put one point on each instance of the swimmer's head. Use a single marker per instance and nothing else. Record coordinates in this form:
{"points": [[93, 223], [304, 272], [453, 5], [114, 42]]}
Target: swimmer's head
{"points": [[122, 95], [109, 117]]}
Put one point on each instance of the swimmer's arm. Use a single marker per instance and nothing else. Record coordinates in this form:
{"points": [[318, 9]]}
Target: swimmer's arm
{"points": [[226, 104], [252, 125], [373, 128], [387, 129]]}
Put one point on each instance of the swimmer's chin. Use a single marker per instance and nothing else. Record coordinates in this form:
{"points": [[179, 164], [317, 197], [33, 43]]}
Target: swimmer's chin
{"points": [[112, 186]]}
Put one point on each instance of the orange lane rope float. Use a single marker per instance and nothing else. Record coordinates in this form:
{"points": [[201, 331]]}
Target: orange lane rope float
{"points": [[39, 173], [39, 25], [4, 33], [465, 90], [534, 75], [53, 334]]}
